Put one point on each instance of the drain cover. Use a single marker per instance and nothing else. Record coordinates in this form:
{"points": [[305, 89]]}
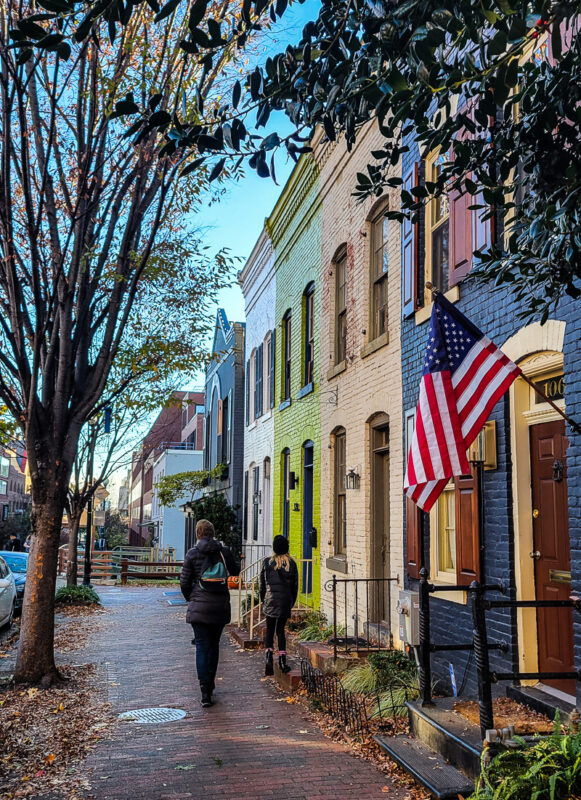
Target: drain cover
{"points": [[152, 715]]}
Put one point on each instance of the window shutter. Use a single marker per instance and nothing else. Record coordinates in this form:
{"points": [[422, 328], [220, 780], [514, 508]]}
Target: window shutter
{"points": [[258, 412], [409, 255], [248, 392], [272, 365], [460, 249], [413, 538], [467, 528], [220, 416]]}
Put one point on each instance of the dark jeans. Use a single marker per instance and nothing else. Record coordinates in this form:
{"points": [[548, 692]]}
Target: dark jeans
{"points": [[207, 652], [275, 624]]}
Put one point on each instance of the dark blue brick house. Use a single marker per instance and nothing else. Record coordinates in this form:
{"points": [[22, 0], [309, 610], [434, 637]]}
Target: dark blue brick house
{"points": [[530, 532]]}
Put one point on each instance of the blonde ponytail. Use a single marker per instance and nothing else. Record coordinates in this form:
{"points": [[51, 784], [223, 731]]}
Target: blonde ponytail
{"points": [[280, 561]]}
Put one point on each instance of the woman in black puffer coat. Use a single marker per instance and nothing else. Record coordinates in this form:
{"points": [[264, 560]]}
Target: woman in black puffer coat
{"points": [[279, 586]]}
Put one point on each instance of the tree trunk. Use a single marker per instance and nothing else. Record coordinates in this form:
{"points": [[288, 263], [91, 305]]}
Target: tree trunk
{"points": [[35, 661], [73, 553]]}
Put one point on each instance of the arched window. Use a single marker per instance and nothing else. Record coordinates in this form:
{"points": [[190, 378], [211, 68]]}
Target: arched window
{"points": [[309, 328], [286, 361], [340, 265], [379, 269]]}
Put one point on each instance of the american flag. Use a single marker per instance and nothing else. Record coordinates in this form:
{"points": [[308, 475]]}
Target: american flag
{"points": [[464, 375]]}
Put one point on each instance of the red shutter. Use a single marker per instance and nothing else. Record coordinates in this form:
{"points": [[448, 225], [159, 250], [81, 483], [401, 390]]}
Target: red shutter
{"points": [[413, 539], [467, 529], [460, 247], [409, 254], [220, 415]]}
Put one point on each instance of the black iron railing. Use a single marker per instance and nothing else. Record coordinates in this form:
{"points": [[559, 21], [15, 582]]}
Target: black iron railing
{"points": [[340, 703], [479, 644], [364, 621]]}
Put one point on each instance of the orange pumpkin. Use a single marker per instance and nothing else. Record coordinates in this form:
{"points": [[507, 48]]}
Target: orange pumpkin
{"points": [[233, 581]]}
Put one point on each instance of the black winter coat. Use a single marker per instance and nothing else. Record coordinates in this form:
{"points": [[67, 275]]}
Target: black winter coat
{"points": [[278, 588], [210, 608]]}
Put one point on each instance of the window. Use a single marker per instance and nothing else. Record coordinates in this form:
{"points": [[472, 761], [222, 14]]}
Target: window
{"points": [[340, 496], [252, 386], [3, 487], [255, 499], [309, 333], [286, 493], [4, 467], [379, 274], [341, 306], [225, 454], [246, 504], [437, 228], [286, 376], [456, 532]]}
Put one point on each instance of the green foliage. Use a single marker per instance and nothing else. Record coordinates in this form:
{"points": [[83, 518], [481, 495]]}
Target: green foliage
{"points": [[77, 596], [172, 489], [315, 628], [115, 530], [550, 769], [382, 670], [222, 515]]}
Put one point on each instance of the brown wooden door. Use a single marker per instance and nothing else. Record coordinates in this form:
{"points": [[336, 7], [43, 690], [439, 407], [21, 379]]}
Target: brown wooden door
{"points": [[379, 605], [551, 549]]}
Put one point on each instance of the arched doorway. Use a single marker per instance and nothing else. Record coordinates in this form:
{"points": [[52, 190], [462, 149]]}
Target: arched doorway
{"points": [[308, 455]]}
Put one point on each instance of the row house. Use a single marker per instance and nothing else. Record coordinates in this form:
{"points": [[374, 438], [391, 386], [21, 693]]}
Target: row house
{"points": [[14, 500], [515, 519]]}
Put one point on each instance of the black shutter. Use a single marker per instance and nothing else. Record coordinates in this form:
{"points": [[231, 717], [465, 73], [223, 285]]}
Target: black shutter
{"points": [[409, 254], [272, 365], [248, 392], [259, 361], [413, 538]]}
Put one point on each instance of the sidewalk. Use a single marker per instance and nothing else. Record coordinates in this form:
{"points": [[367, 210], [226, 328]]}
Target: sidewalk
{"points": [[251, 744]]}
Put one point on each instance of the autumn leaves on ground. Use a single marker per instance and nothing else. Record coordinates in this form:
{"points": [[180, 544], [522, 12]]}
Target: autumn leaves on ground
{"points": [[45, 734]]}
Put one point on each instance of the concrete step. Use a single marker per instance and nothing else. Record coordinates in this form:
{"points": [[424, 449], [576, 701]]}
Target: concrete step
{"points": [[441, 779], [447, 733], [540, 701]]}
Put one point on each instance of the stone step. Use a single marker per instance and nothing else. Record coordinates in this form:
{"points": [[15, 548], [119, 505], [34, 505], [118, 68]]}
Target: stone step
{"points": [[289, 681], [448, 733], [242, 637], [441, 779]]}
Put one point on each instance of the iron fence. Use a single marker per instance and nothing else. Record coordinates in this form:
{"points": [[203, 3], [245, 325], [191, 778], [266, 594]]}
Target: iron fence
{"points": [[364, 621]]}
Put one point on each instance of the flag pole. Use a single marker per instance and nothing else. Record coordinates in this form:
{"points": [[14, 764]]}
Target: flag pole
{"points": [[574, 425]]}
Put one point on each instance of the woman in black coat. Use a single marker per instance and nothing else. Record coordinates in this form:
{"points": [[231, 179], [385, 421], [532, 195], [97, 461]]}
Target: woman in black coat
{"points": [[208, 608], [279, 587]]}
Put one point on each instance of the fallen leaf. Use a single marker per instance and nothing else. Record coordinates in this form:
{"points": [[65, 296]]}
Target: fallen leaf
{"points": [[50, 758], [386, 789]]}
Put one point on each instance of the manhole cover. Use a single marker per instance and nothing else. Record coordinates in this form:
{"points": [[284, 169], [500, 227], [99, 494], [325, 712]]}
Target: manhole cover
{"points": [[152, 715]]}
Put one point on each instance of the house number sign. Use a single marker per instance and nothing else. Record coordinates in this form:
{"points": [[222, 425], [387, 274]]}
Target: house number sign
{"points": [[553, 388]]}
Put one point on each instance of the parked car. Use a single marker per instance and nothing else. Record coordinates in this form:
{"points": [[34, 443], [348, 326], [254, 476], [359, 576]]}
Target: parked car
{"points": [[17, 562], [7, 595]]}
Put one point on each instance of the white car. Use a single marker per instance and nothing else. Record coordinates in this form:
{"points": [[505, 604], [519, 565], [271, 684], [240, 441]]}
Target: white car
{"points": [[7, 595]]}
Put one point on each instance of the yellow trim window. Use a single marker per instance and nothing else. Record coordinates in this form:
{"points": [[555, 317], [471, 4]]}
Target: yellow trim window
{"points": [[437, 228], [446, 535]]}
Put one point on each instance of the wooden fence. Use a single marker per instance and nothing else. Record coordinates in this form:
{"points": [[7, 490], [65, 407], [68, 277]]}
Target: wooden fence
{"points": [[158, 570], [107, 564]]}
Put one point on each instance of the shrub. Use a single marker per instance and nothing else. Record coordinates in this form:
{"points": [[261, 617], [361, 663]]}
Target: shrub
{"points": [[550, 769], [387, 670], [77, 596]]}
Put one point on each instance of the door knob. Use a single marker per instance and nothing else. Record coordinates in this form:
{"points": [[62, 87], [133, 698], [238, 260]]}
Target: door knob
{"points": [[535, 513], [535, 554]]}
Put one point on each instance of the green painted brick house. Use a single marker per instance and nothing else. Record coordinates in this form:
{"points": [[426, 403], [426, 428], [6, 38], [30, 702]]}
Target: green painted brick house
{"points": [[295, 230]]}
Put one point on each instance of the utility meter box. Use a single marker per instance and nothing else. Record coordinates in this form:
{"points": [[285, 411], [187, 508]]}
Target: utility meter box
{"points": [[409, 617]]}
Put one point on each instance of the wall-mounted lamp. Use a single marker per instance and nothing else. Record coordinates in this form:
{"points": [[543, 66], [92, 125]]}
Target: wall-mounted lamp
{"points": [[293, 480], [352, 480], [483, 449]]}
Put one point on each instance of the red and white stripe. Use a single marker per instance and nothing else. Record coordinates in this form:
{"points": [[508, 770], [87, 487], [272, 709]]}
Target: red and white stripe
{"points": [[451, 411]]}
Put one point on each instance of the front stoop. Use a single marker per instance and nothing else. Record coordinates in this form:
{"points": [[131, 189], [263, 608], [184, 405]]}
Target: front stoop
{"points": [[448, 733], [441, 779], [289, 681], [540, 701], [241, 636], [320, 656]]}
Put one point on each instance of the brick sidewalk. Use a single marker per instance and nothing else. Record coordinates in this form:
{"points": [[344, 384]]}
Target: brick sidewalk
{"points": [[224, 752]]}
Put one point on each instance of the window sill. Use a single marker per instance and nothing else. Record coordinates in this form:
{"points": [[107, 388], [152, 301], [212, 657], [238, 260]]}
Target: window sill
{"points": [[423, 314], [337, 565], [285, 404], [337, 370], [375, 344], [451, 597], [306, 390], [252, 425]]}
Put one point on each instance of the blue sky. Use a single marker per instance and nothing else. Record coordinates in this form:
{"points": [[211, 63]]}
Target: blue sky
{"points": [[237, 220]]}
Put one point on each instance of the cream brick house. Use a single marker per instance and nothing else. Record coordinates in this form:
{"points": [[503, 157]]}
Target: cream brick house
{"points": [[360, 400]]}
